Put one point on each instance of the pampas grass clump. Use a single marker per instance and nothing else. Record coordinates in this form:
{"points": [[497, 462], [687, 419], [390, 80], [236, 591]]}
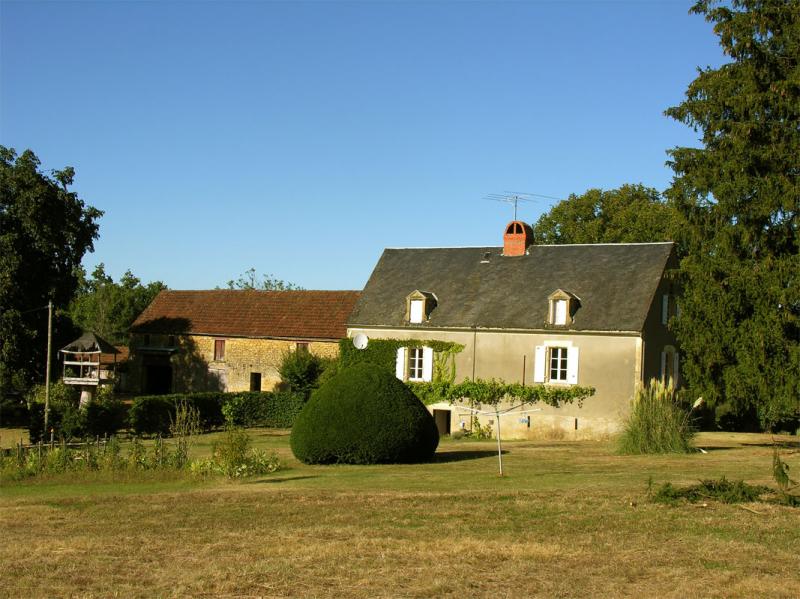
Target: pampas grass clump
{"points": [[657, 422]]}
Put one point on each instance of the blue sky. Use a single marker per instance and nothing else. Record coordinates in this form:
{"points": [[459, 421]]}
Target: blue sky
{"points": [[301, 138]]}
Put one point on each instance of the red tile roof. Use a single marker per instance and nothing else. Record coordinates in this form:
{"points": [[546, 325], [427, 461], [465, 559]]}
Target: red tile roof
{"points": [[235, 313]]}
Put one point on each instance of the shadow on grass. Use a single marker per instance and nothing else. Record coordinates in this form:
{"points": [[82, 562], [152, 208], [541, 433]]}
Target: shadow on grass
{"points": [[781, 444], [460, 456], [282, 479]]}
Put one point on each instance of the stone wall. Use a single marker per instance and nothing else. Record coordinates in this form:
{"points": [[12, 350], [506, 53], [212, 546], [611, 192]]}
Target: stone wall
{"points": [[191, 358]]}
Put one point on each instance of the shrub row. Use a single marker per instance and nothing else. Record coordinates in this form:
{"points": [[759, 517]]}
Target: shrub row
{"points": [[100, 418], [152, 414], [273, 410]]}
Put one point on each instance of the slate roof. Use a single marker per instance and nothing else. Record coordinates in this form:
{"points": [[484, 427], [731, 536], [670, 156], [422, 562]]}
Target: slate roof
{"points": [[235, 313], [615, 283]]}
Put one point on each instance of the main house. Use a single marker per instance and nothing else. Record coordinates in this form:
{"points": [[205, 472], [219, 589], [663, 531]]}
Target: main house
{"points": [[231, 340], [591, 315]]}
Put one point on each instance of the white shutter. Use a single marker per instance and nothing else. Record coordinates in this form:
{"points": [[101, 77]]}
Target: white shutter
{"points": [[663, 366], [561, 312], [572, 365], [400, 364], [427, 364], [675, 369], [664, 309], [539, 359], [416, 311]]}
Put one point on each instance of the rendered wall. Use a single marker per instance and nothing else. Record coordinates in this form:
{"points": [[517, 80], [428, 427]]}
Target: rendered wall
{"points": [[610, 364]]}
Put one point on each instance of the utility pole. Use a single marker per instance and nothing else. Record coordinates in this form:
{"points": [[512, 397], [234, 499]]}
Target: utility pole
{"points": [[47, 368]]}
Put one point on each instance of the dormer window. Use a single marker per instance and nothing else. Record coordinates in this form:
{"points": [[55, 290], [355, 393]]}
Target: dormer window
{"points": [[562, 308], [419, 305], [560, 312], [417, 311]]}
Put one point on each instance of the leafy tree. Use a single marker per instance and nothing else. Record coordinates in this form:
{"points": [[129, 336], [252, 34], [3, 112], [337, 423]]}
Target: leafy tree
{"points": [[738, 197], [250, 280], [300, 371], [109, 308], [45, 230], [632, 213]]}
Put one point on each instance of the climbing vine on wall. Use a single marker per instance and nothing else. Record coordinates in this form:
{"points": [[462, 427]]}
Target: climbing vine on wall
{"points": [[443, 388], [383, 352]]}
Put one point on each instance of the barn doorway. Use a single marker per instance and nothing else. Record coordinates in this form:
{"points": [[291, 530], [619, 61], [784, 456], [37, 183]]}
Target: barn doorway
{"points": [[158, 379], [442, 419]]}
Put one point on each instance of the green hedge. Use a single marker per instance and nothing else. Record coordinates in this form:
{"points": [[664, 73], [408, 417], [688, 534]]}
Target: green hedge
{"points": [[13, 413], [152, 414], [273, 410], [68, 422]]}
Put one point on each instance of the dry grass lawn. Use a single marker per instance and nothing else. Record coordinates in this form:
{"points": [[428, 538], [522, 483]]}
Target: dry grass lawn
{"points": [[569, 520]]}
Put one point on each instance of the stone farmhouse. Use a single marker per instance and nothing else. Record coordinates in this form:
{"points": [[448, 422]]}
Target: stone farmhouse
{"points": [[591, 315], [231, 340]]}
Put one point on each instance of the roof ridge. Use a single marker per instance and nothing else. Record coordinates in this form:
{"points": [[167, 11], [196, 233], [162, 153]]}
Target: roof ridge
{"points": [[535, 245]]}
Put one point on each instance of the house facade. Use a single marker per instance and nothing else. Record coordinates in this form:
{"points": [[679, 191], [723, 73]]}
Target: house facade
{"points": [[590, 315], [231, 340]]}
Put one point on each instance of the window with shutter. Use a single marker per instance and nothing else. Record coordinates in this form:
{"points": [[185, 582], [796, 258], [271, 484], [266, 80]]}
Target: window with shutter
{"points": [[219, 350], [415, 363]]}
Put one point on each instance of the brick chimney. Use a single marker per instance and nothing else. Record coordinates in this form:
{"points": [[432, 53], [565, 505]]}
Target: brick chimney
{"points": [[518, 237]]}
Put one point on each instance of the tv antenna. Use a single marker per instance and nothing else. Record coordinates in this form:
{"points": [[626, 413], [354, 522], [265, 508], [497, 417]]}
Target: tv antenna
{"points": [[515, 197]]}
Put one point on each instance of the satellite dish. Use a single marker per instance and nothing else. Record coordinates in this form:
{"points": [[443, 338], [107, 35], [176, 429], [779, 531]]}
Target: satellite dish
{"points": [[360, 341]]}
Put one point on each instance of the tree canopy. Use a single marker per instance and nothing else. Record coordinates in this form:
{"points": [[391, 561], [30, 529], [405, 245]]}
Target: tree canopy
{"points": [[109, 308], [631, 213], [738, 198], [250, 279], [45, 230]]}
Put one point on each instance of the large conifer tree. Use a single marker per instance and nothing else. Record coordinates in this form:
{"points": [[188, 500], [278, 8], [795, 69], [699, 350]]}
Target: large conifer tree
{"points": [[739, 193]]}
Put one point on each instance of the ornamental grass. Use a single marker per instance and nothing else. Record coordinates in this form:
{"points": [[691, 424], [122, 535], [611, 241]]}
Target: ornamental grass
{"points": [[657, 423]]}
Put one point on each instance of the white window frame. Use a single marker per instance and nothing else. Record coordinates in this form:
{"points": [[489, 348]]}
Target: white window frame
{"points": [[542, 357], [559, 354], [416, 358], [414, 364]]}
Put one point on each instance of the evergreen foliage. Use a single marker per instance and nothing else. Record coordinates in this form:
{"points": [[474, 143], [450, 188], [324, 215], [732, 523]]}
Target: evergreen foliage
{"points": [[739, 197], [270, 409], [364, 415], [657, 423]]}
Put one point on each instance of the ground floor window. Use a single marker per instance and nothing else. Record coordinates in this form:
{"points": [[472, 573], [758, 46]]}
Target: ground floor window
{"points": [[414, 364], [415, 358], [558, 364]]}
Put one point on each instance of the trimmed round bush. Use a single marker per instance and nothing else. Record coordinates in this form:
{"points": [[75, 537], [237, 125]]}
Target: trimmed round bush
{"points": [[364, 415]]}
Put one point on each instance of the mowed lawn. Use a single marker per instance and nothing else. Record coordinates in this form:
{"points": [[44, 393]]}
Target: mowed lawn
{"points": [[570, 519]]}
